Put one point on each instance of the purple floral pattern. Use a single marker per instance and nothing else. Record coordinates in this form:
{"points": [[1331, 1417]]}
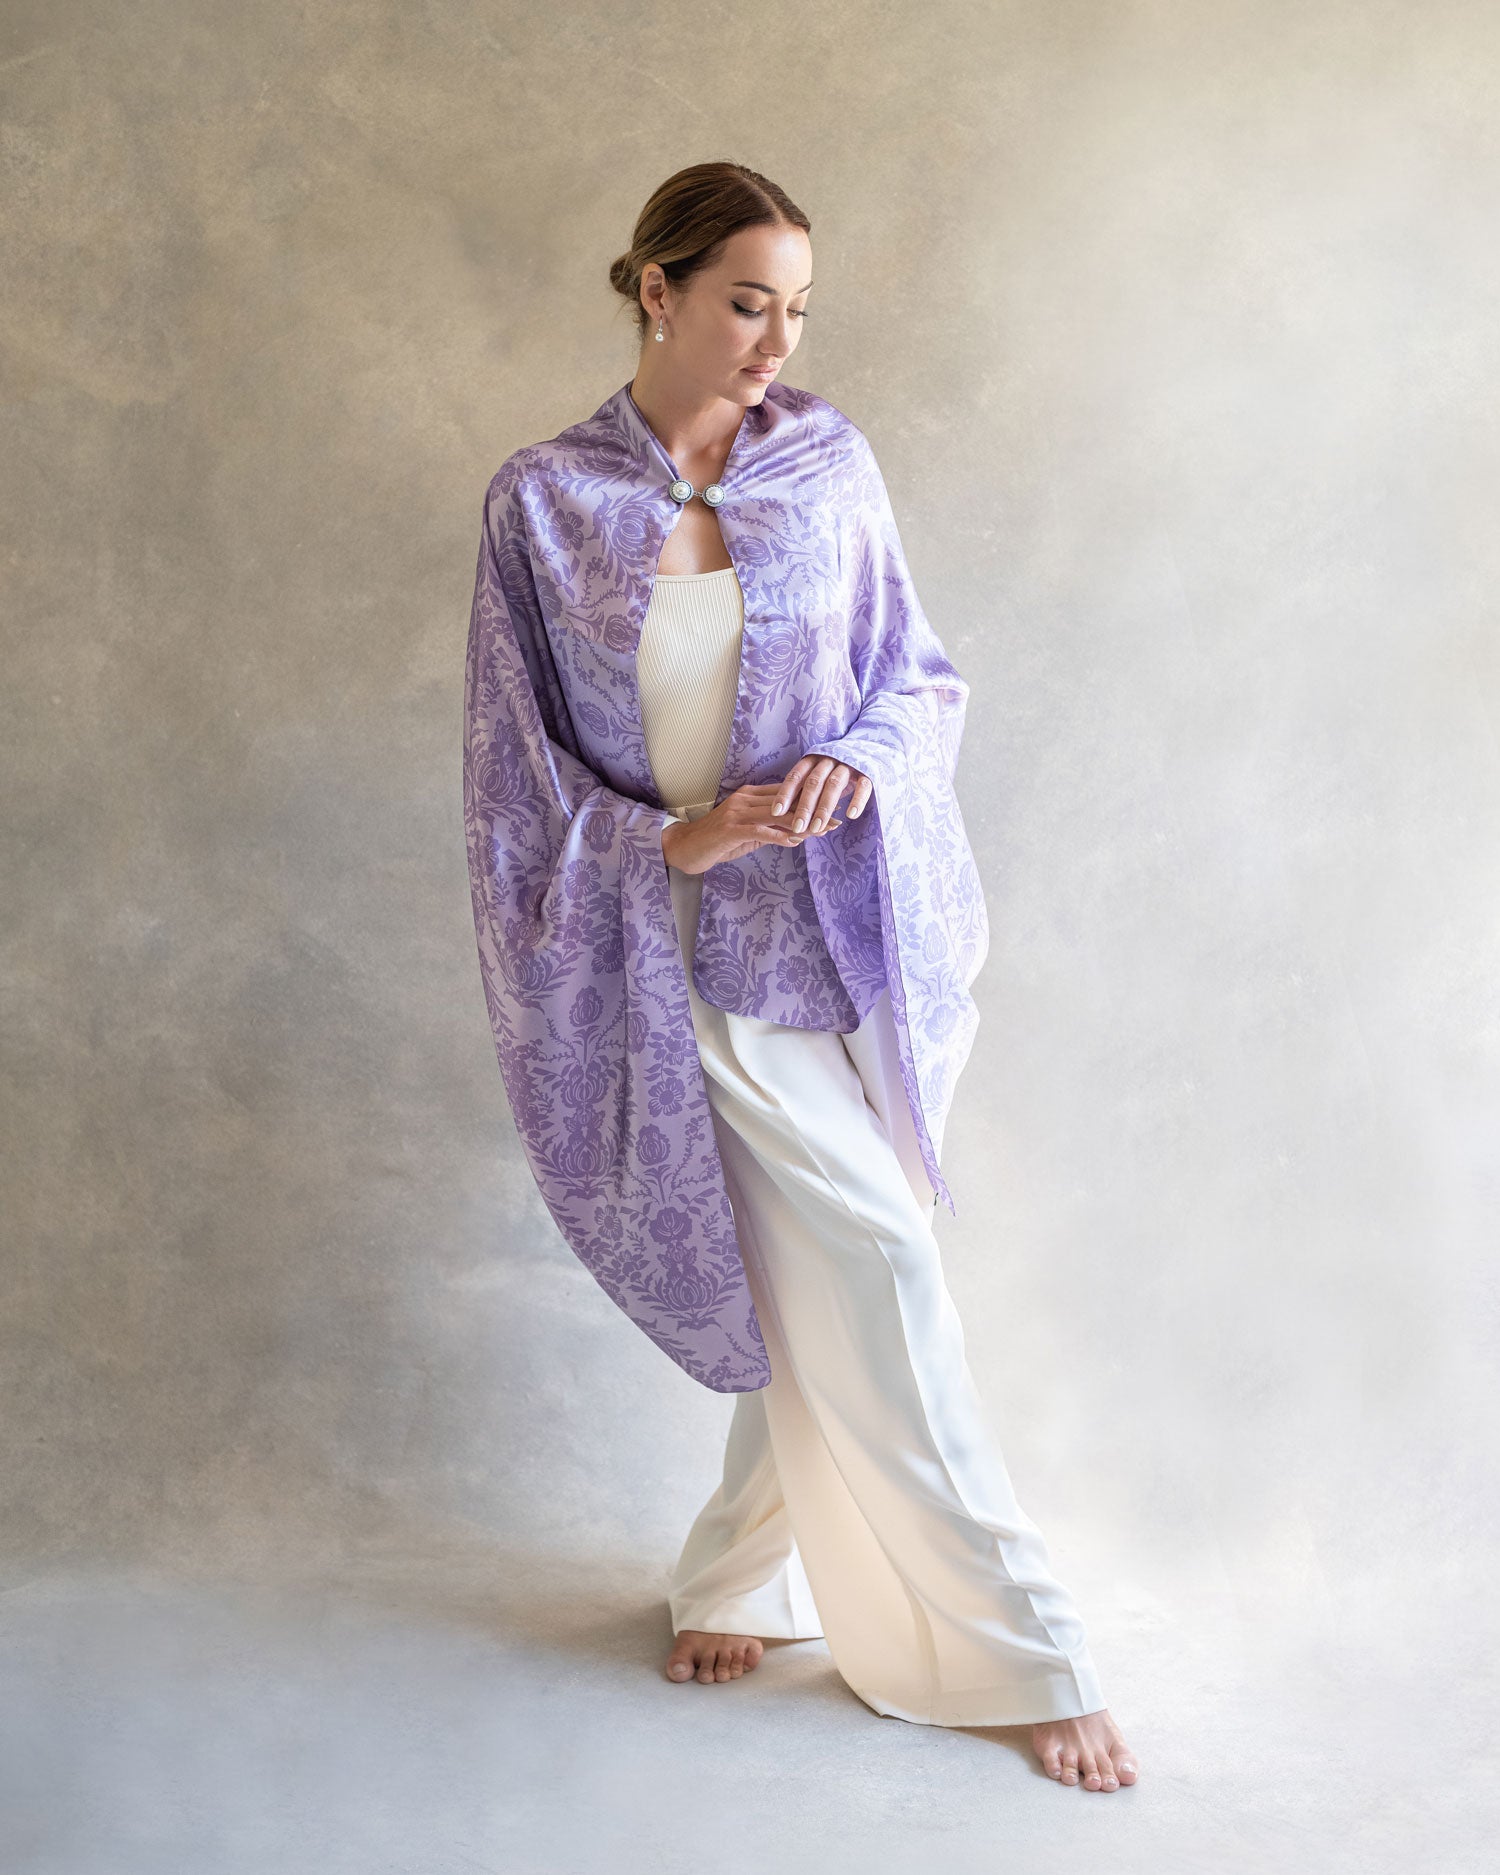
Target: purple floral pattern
{"points": [[578, 944]]}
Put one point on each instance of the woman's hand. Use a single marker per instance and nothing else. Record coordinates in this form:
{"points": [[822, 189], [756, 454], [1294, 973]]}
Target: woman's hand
{"points": [[769, 813], [740, 823], [814, 787]]}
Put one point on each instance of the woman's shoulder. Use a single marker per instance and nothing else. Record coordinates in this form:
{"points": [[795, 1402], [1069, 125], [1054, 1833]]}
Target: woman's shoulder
{"points": [[823, 425], [810, 405], [514, 469], [592, 446], [819, 417], [530, 472]]}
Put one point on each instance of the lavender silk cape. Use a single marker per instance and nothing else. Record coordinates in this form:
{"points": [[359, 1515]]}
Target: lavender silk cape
{"points": [[578, 945]]}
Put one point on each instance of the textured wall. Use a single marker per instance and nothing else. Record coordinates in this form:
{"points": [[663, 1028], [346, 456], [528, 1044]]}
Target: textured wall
{"points": [[1173, 328]]}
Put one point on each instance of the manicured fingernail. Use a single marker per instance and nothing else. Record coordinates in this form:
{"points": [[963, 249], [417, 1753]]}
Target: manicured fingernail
{"points": [[801, 822], [817, 822], [778, 807]]}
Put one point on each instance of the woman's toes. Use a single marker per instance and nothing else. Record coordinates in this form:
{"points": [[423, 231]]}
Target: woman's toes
{"points": [[1091, 1778], [1125, 1770], [1070, 1765], [1106, 1772], [1052, 1761], [713, 1659]]}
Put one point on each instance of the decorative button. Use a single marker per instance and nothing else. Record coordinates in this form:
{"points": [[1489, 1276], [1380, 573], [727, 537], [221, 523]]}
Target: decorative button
{"points": [[713, 494], [682, 491]]}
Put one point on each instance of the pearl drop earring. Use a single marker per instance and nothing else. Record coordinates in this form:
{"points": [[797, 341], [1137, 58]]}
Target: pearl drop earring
{"points": [[661, 336]]}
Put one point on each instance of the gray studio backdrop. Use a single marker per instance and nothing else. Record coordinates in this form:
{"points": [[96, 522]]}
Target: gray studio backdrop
{"points": [[1174, 331]]}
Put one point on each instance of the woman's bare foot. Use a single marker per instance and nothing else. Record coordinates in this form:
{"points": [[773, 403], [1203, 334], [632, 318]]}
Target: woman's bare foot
{"points": [[1090, 1749], [712, 1656]]}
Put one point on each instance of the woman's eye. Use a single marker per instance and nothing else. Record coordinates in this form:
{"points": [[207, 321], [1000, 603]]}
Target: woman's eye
{"points": [[754, 312]]}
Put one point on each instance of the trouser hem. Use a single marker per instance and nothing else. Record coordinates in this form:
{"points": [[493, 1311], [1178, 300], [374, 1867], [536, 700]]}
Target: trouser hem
{"points": [[1068, 1695]]}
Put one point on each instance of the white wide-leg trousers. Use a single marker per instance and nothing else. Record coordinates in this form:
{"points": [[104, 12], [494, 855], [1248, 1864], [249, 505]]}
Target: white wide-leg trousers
{"points": [[864, 1496]]}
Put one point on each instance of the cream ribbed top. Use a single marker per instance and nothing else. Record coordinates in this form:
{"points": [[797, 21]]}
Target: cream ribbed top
{"points": [[688, 670]]}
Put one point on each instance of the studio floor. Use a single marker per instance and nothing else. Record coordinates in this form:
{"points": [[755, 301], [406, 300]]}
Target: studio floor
{"points": [[465, 1710]]}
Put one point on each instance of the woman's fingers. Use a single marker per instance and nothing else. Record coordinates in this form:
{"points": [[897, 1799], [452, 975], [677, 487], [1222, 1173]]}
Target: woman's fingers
{"points": [[792, 782], [789, 838], [813, 788], [827, 798], [807, 781]]}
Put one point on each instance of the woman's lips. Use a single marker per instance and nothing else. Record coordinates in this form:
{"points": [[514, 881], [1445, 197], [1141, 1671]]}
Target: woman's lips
{"points": [[757, 371]]}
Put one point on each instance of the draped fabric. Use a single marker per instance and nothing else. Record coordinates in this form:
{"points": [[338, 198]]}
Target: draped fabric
{"points": [[579, 956]]}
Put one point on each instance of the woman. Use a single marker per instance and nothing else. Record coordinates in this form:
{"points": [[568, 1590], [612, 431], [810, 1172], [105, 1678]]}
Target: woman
{"points": [[727, 919]]}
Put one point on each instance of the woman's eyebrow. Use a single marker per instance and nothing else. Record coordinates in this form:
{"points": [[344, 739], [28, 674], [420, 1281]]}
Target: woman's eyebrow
{"points": [[761, 286]]}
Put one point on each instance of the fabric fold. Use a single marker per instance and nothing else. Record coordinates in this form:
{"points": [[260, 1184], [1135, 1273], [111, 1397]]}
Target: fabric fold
{"points": [[586, 992], [903, 907]]}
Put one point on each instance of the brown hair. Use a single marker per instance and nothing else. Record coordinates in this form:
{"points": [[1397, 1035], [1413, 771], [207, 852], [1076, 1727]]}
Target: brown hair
{"points": [[685, 224]]}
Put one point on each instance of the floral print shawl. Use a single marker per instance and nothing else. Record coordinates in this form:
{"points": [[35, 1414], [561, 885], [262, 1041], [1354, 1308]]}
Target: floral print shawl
{"points": [[578, 946]]}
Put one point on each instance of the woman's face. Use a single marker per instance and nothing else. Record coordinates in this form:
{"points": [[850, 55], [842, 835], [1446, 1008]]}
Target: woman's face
{"points": [[741, 316]]}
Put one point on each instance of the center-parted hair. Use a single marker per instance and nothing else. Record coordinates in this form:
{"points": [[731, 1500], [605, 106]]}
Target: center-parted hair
{"points": [[684, 225]]}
